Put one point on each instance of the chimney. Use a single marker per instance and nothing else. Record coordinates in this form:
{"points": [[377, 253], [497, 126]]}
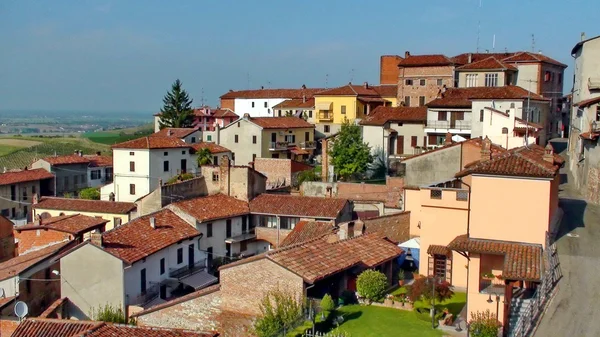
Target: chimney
{"points": [[470, 58], [152, 222], [406, 54], [549, 154], [38, 220], [303, 98], [96, 239], [366, 85], [486, 149], [448, 140], [36, 198], [111, 196], [582, 36], [80, 153], [246, 116], [304, 86], [169, 133], [262, 87]]}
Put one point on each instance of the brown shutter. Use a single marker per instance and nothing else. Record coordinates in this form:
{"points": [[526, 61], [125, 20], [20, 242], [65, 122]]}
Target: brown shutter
{"points": [[413, 141], [400, 145], [432, 140], [460, 116], [424, 141]]}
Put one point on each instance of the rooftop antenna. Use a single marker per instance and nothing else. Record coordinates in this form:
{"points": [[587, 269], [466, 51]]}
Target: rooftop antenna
{"points": [[351, 75], [479, 26], [533, 43], [494, 43], [326, 80], [202, 97]]}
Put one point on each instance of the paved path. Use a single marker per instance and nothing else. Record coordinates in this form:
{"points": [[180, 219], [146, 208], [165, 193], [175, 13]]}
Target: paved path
{"points": [[575, 310]]}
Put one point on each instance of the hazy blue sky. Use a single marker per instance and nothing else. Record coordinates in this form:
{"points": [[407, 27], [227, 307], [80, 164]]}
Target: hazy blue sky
{"points": [[123, 55]]}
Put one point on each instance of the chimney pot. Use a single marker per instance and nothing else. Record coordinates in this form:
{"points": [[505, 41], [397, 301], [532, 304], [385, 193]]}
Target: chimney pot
{"points": [[406, 54], [486, 149], [448, 140], [111, 196], [470, 57], [169, 132], [246, 116], [304, 86], [549, 154], [152, 222], [96, 238], [366, 85]]}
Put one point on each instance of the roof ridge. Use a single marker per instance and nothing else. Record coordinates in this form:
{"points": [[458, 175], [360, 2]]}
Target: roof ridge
{"points": [[533, 161], [295, 245]]}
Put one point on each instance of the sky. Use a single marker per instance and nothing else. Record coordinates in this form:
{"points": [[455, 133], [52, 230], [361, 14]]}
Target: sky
{"points": [[122, 56]]}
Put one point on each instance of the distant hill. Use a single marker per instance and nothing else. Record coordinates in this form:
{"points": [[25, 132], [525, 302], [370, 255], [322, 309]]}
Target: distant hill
{"points": [[117, 136]]}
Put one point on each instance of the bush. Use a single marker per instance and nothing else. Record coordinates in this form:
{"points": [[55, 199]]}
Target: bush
{"points": [[180, 177], [327, 304], [483, 324], [89, 193], [110, 314], [421, 289], [308, 175], [371, 285], [280, 311]]}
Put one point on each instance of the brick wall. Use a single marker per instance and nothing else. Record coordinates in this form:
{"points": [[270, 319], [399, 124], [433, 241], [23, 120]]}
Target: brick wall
{"points": [[430, 89], [270, 235], [388, 69], [7, 327], [245, 285], [31, 239], [228, 103], [39, 295], [395, 227], [7, 239]]}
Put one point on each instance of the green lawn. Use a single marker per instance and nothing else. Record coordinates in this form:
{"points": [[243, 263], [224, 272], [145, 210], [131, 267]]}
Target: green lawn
{"points": [[114, 137], [454, 305]]}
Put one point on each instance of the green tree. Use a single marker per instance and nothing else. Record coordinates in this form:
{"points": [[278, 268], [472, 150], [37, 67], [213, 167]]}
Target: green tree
{"points": [[204, 157], [89, 193], [484, 324], [327, 304], [349, 155], [177, 109], [279, 311], [371, 285]]}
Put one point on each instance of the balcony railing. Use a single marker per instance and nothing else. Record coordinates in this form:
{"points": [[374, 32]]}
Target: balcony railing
{"points": [[308, 145], [150, 294], [458, 125], [278, 146], [187, 269], [326, 116]]}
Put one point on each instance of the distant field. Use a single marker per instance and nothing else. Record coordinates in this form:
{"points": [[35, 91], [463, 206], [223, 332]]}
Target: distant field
{"points": [[18, 142], [118, 136]]}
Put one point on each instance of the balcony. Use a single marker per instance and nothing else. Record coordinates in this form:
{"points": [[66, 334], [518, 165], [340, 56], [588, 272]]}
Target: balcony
{"points": [[326, 115], [447, 125], [150, 294], [278, 146], [310, 145], [187, 269]]}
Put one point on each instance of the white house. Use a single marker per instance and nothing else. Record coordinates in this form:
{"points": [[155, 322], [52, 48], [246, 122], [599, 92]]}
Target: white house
{"points": [[188, 135], [138, 264], [100, 170]]}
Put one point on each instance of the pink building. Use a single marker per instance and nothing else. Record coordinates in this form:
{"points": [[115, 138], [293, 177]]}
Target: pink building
{"points": [[206, 118]]}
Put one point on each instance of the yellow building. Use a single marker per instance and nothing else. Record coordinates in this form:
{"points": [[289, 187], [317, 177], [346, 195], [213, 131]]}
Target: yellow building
{"points": [[116, 213], [350, 102]]}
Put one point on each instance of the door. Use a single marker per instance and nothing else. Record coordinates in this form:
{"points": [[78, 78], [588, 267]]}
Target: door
{"points": [[227, 249], [209, 257], [351, 284], [183, 165], [191, 256], [143, 281], [453, 120], [273, 137], [163, 291], [400, 145]]}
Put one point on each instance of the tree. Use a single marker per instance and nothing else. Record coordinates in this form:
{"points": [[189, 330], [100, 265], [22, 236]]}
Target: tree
{"points": [[89, 193], [327, 304], [483, 324], [378, 168], [280, 310], [421, 288], [204, 157], [371, 285], [349, 155], [177, 109]]}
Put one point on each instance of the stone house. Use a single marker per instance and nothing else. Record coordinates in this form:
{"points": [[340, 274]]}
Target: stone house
{"points": [[71, 172], [280, 172], [19, 188]]}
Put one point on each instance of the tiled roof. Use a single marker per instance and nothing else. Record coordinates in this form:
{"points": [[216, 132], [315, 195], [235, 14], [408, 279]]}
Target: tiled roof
{"points": [[386, 90], [587, 102], [590, 135], [174, 132], [221, 113], [522, 261], [51, 310], [137, 239], [212, 147], [521, 162], [527, 57], [281, 122], [212, 207], [83, 205], [461, 97], [75, 224], [298, 206], [395, 227], [350, 90], [476, 57], [307, 230], [114, 330], [439, 250], [490, 63], [296, 103], [185, 298], [496, 149], [152, 142], [532, 124], [35, 327], [6, 300], [425, 61], [99, 161], [67, 160], [272, 93], [9, 178], [18, 264], [384, 114]]}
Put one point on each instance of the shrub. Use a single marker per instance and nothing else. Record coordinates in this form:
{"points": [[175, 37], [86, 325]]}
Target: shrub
{"points": [[180, 177], [371, 285], [110, 314], [279, 310], [421, 289], [483, 324], [347, 297], [327, 304], [89, 193]]}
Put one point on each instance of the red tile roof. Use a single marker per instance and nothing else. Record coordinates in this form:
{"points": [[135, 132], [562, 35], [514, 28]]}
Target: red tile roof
{"points": [[9, 178], [350, 90], [384, 114], [587, 102], [281, 122], [298, 206], [425, 61], [395, 227], [174, 132], [67, 160], [439, 250], [75, 224], [522, 261], [212, 147], [185, 298], [476, 57], [490, 63], [18, 264], [83, 205], [99, 161], [496, 149], [386, 90], [137, 239], [222, 113], [532, 124], [590, 135], [461, 97], [272, 93], [6, 300], [213, 207], [113, 330], [528, 57], [296, 103], [306, 231], [150, 142]]}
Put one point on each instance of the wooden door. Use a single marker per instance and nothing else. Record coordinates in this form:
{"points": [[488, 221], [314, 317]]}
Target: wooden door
{"points": [[452, 120], [400, 145]]}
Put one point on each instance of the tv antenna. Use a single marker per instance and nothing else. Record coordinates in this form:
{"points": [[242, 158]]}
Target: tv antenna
{"points": [[479, 26], [326, 80], [533, 43], [21, 310], [202, 97], [351, 75]]}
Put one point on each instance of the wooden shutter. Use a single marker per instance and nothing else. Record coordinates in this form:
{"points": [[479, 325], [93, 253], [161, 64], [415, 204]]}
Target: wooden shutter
{"points": [[460, 116], [432, 140], [413, 141], [424, 141], [400, 145]]}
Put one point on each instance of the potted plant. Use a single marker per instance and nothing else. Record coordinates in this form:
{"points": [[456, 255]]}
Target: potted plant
{"points": [[487, 276], [401, 277]]}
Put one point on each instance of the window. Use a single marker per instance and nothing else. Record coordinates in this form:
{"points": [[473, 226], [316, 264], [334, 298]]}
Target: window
{"points": [[131, 153], [162, 266], [143, 280], [559, 79], [291, 139], [481, 115], [183, 152], [462, 195], [422, 82], [252, 106], [442, 115], [408, 81], [96, 174], [215, 160], [275, 155], [343, 107], [253, 156], [165, 153], [266, 104], [307, 136], [215, 176], [117, 222], [253, 139], [228, 228], [166, 166], [413, 141], [440, 82], [244, 224], [209, 138], [326, 128], [279, 113], [209, 256], [33, 190], [193, 139], [435, 194], [271, 221], [24, 194], [309, 113], [439, 266], [28, 286], [132, 189], [209, 230], [179, 255], [471, 80], [406, 100], [491, 80], [547, 76], [131, 166], [13, 192], [235, 138], [238, 124], [421, 100]]}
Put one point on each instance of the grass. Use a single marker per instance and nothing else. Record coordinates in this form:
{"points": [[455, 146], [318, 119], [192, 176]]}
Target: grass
{"points": [[7, 149], [117, 136]]}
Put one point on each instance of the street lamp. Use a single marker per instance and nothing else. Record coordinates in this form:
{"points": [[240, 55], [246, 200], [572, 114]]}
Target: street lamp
{"points": [[489, 300]]}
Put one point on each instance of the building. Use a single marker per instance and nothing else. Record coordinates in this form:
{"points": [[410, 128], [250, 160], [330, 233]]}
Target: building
{"points": [[421, 77], [301, 107], [7, 239], [395, 132], [272, 137], [18, 189], [349, 102], [142, 263], [261, 102], [218, 152], [584, 153], [70, 171], [100, 170], [115, 212], [280, 172], [187, 135], [206, 119], [240, 182]]}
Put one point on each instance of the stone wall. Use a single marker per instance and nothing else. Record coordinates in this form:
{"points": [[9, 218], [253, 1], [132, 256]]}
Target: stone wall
{"points": [[437, 166]]}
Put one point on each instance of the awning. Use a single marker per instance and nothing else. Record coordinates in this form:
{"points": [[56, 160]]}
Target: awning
{"points": [[298, 151], [323, 106], [457, 138], [412, 243], [199, 280], [240, 238]]}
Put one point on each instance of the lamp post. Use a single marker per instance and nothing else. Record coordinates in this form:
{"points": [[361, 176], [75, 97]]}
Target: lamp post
{"points": [[489, 300]]}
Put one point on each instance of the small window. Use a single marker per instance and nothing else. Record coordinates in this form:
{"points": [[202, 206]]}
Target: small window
{"points": [[183, 152], [33, 190], [165, 153], [209, 230], [309, 113], [421, 100], [413, 141], [132, 189], [243, 246], [326, 128], [343, 107], [408, 82], [215, 176], [481, 115], [462, 195], [209, 138], [179, 255], [117, 222], [547, 76], [266, 104], [279, 113], [253, 139], [215, 160], [166, 166], [440, 82], [193, 139], [238, 124], [162, 266], [435, 194], [253, 156], [131, 166], [406, 100], [491, 80], [559, 78], [422, 82], [442, 116], [235, 138], [252, 106], [269, 110], [228, 228], [131, 153]]}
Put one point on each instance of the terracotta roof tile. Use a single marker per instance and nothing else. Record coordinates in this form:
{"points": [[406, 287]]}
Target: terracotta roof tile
{"points": [[52, 308], [83, 205], [461, 97], [496, 149], [185, 298], [395, 227], [137, 239], [490, 63], [18, 264], [590, 135], [386, 90], [67, 160], [298, 206], [522, 261], [528, 57], [212, 147], [281, 122], [35, 327], [476, 57], [384, 114], [150, 142], [587, 102], [8, 326], [350, 90], [99, 161], [114, 330], [174, 132], [9, 178], [6, 300], [75, 224], [272, 93], [425, 61], [221, 113], [307, 230], [439, 250], [296, 103], [213, 207]]}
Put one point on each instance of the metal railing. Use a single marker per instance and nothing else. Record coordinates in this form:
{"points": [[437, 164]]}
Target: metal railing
{"points": [[278, 145], [308, 145], [458, 125], [187, 269], [150, 294]]}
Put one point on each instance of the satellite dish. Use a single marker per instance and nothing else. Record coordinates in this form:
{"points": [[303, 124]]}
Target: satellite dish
{"points": [[21, 309]]}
